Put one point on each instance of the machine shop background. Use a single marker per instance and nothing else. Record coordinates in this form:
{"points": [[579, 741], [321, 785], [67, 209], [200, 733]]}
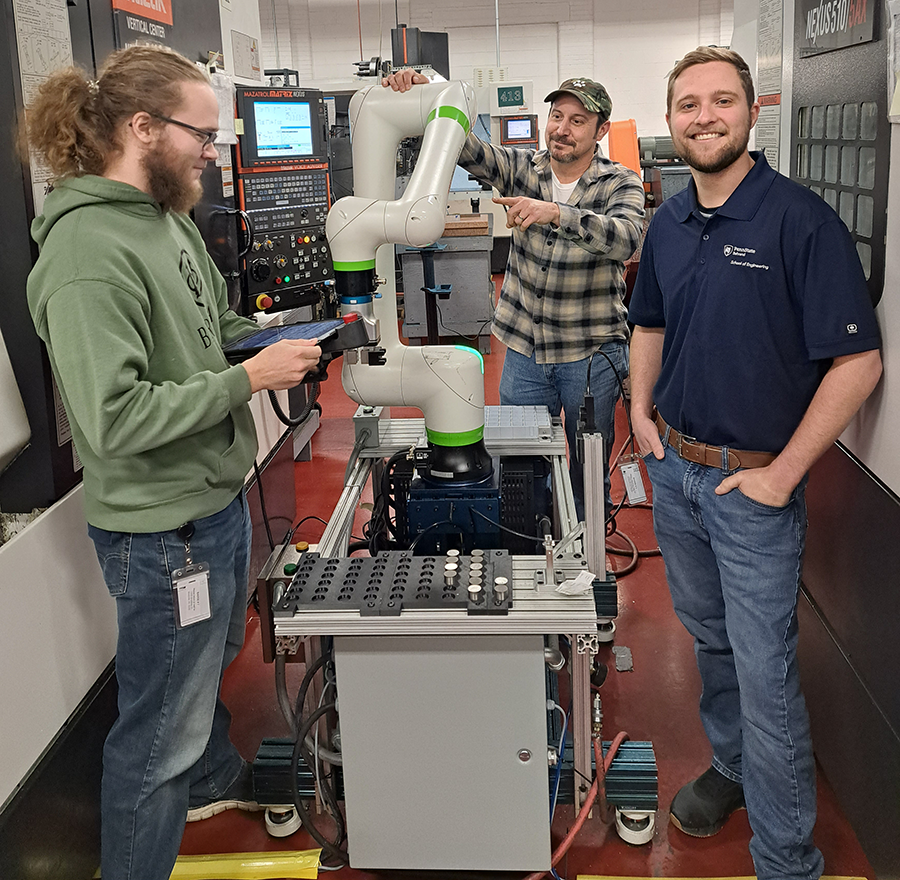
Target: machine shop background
{"points": [[57, 629]]}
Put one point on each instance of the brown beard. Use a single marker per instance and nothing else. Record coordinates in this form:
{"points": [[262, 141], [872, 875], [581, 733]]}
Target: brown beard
{"points": [[168, 184]]}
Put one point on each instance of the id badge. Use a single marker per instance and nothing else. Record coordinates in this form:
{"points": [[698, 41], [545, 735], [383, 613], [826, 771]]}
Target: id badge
{"points": [[190, 587], [630, 468]]}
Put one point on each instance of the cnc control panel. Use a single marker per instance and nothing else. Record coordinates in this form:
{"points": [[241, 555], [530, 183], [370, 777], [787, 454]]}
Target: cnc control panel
{"points": [[284, 188], [281, 261], [286, 199]]}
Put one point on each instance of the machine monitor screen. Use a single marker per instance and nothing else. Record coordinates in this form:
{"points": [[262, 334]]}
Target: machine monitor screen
{"points": [[281, 126], [518, 129], [282, 130]]}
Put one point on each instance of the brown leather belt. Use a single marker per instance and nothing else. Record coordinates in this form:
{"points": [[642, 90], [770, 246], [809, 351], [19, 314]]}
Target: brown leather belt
{"points": [[691, 449]]}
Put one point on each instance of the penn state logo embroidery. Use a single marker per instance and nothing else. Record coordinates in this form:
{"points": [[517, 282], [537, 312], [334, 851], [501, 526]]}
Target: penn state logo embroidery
{"points": [[728, 250]]}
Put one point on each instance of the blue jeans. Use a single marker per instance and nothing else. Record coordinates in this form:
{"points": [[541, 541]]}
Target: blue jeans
{"points": [[733, 566], [561, 387], [170, 742]]}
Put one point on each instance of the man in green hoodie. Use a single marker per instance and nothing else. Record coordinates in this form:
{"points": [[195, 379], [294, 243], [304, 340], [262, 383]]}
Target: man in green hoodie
{"points": [[134, 316]]}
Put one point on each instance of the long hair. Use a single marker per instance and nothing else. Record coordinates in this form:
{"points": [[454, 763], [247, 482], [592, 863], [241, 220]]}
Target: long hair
{"points": [[74, 121], [705, 54]]}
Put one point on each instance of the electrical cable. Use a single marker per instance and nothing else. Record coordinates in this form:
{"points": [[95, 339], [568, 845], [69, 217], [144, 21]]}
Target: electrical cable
{"points": [[380, 520], [635, 555], [560, 752], [333, 848], [327, 791], [386, 488], [262, 505], [602, 765], [434, 525], [478, 513], [311, 670], [284, 701], [289, 537], [621, 383], [326, 754], [358, 446], [328, 686], [454, 333], [306, 747], [611, 518], [305, 413]]}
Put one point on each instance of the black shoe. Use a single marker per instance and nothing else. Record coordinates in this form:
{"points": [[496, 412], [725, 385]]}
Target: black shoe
{"points": [[702, 807], [238, 796]]}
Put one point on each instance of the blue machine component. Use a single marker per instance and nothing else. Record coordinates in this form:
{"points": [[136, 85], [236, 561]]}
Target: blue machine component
{"points": [[459, 516], [632, 782]]}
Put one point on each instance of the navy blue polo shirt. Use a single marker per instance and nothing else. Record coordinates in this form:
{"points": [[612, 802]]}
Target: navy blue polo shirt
{"points": [[755, 302]]}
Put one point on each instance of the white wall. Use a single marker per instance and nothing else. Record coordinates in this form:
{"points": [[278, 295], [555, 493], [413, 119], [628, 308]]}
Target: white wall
{"points": [[629, 47]]}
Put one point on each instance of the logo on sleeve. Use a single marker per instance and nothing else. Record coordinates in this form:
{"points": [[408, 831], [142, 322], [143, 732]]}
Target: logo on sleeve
{"points": [[852, 328]]}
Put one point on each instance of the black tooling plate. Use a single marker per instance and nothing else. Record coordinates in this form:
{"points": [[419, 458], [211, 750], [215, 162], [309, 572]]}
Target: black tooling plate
{"points": [[394, 581]]}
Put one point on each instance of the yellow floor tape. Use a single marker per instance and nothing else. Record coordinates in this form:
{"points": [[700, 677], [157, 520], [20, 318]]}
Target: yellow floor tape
{"points": [[249, 866], [300, 864], [606, 877]]}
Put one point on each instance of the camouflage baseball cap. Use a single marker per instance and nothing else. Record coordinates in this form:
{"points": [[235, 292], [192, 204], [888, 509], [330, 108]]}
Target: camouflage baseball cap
{"points": [[594, 97]]}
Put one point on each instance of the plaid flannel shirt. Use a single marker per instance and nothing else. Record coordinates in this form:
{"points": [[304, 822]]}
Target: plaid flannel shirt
{"points": [[562, 295]]}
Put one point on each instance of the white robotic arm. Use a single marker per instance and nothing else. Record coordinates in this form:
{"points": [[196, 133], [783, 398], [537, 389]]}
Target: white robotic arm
{"points": [[445, 382]]}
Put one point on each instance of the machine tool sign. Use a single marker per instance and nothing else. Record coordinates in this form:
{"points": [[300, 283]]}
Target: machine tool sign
{"points": [[195, 285]]}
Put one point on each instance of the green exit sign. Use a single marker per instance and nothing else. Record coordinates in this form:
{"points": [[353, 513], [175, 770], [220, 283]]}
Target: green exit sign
{"points": [[510, 96]]}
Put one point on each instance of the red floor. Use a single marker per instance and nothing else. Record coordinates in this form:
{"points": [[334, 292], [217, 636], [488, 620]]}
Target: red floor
{"points": [[656, 701]]}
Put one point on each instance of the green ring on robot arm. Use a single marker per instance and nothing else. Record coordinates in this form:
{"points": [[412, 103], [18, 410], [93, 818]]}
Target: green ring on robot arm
{"points": [[358, 266], [463, 438], [449, 112]]}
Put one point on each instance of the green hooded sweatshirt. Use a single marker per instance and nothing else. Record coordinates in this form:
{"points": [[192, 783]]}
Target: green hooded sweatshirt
{"points": [[134, 314]]}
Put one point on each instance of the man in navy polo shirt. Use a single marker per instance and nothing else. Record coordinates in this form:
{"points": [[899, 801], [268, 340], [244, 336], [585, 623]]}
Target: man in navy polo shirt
{"points": [[757, 342]]}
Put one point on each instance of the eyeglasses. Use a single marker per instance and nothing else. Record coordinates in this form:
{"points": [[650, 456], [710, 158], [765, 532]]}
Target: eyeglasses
{"points": [[209, 137]]}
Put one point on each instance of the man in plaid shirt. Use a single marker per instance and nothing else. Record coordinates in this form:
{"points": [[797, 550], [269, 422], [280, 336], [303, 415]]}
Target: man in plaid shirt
{"points": [[575, 218]]}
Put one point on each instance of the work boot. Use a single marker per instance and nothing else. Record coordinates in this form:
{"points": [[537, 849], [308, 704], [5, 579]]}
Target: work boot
{"points": [[702, 807]]}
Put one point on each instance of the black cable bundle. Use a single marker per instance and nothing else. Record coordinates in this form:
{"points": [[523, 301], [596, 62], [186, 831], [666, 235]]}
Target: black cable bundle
{"points": [[304, 728]]}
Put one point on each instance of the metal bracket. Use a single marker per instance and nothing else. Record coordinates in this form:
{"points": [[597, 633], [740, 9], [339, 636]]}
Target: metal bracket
{"points": [[287, 644], [585, 644], [566, 543]]}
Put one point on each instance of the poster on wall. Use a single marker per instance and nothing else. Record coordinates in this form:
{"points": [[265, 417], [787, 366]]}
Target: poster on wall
{"points": [[834, 24], [245, 56], [769, 48], [140, 20], [45, 44], [768, 128]]}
